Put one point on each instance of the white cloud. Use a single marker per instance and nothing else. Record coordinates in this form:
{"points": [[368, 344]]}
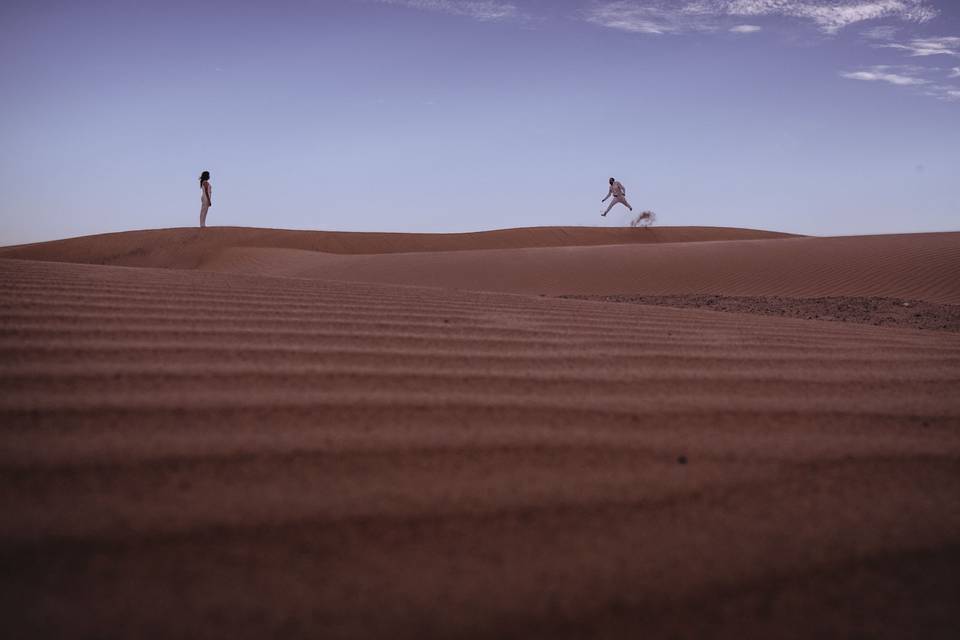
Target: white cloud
{"points": [[664, 16], [476, 9], [642, 17], [908, 76], [944, 92], [880, 33], [832, 15], [904, 76], [892, 78], [922, 47], [829, 16]]}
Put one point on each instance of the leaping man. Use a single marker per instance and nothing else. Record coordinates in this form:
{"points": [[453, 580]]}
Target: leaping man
{"points": [[619, 195]]}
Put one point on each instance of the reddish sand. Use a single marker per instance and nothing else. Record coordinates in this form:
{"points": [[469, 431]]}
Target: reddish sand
{"points": [[190, 247], [187, 453], [887, 312], [921, 266]]}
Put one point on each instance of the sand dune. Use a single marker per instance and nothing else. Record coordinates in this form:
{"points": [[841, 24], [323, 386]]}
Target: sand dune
{"points": [[188, 248], [918, 266], [553, 261], [191, 453], [260, 433]]}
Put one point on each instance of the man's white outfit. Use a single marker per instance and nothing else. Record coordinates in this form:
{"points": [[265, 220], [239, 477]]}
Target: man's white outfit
{"points": [[619, 194]]}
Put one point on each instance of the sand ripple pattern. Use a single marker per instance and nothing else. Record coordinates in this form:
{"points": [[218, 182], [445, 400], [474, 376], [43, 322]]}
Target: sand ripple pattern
{"points": [[196, 454]]}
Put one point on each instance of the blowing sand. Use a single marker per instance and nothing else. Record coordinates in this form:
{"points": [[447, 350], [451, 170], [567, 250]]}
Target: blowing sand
{"points": [[230, 440]]}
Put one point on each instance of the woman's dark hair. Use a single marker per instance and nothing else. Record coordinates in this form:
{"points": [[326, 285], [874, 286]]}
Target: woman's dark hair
{"points": [[204, 176]]}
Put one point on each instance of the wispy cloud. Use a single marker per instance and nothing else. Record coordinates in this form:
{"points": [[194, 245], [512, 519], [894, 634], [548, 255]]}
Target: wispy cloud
{"points": [[645, 17], [921, 79], [946, 92], [880, 33], [909, 77], [830, 16], [882, 74], [745, 28], [922, 47], [486, 10], [919, 48], [833, 15]]}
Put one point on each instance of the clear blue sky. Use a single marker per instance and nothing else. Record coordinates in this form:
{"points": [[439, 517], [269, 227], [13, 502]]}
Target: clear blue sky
{"points": [[812, 116]]}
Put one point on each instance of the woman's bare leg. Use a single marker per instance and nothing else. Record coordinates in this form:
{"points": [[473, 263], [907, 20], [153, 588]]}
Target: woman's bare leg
{"points": [[203, 215]]}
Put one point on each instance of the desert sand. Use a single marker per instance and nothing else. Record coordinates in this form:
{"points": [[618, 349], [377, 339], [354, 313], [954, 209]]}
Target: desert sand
{"points": [[243, 433]]}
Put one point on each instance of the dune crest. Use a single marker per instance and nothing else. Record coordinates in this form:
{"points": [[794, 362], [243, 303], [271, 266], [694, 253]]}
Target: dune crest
{"points": [[914, 266], [551, 260], [187, 248]]}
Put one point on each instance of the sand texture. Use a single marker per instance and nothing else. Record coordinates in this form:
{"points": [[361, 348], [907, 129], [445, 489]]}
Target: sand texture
{"points": [[921, 266], [196, 447], [881, 312], [190, 247]]}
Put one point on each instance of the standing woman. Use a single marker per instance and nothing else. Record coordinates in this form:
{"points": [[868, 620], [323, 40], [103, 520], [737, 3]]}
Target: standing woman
{"points": [[205, 202]]}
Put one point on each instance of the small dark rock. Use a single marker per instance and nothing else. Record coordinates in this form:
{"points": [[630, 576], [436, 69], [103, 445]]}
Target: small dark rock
{"points": [[682, 460]]}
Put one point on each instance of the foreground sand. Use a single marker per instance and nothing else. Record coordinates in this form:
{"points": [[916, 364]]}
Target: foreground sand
{"points": [[187, 453]]}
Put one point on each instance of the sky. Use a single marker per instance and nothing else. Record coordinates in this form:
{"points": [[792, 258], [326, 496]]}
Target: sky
{"points": [[820, 117]]}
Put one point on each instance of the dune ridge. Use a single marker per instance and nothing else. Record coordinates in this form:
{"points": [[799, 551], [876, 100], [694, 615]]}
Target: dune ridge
{"points": [[913, 266], [259, 456], [553, 260], [186, 248]]}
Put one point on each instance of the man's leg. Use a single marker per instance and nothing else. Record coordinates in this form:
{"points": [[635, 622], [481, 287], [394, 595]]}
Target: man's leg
{"points": [[613, 201], [626, 204]]}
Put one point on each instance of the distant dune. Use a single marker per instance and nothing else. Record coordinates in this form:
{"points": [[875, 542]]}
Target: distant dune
{"points": [[222, 436], [922, 266], [187, 248], [552, 260]]}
